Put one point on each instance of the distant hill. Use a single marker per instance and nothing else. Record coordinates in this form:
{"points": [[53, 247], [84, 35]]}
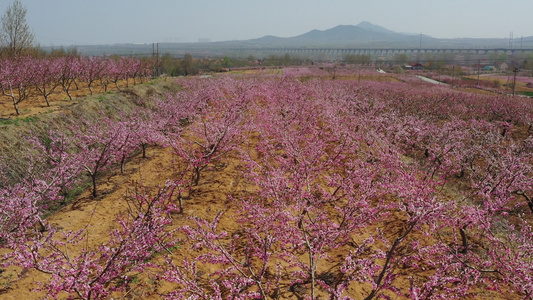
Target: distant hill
{"points": [[363, 35], [376, 28], [368, 35]]}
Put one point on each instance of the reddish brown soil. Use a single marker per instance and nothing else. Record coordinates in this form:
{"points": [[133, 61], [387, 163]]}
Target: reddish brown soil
{"points": [[209, 198], [35, 103]]}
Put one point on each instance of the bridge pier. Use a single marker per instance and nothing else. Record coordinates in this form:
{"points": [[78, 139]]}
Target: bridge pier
{"points": [[375, 53]]}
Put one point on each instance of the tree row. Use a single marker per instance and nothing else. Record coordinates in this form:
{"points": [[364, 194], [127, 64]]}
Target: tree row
{"points": [[359, 190], [21, 76]]}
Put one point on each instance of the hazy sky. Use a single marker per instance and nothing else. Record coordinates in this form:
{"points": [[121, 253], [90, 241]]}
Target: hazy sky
{"points": [[79, 22]]}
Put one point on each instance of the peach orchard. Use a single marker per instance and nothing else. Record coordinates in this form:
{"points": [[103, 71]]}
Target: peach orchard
{"points": [[426, 193]]}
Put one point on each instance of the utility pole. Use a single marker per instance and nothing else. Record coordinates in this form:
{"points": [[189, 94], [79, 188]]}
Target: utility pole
{"points": [[419, 48], [155, 56]]}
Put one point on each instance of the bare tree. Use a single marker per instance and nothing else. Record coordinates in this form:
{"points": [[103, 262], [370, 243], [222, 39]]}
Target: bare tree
{"points": [[15, 34]]}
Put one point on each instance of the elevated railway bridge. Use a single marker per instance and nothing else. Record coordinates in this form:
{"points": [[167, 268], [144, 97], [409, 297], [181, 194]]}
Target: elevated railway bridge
{"points": [[376, 53]]}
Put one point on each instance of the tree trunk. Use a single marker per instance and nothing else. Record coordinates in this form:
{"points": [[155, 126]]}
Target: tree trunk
{"points": [[15, 104], [388, 259], [180, 200], [197, 177], [463, 239], [66, 88], [122, 163], [93, 177], [12, 96], [47, 102]]}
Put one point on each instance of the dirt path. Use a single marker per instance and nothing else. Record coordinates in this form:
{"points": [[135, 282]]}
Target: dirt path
{"points": [[430, 80]]}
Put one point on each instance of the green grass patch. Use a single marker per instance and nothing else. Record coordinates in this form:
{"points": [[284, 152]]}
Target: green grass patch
{"points": [[69, 196], [529, 94], [28, 120], [9, 121], [76, 191], [17, 121]]}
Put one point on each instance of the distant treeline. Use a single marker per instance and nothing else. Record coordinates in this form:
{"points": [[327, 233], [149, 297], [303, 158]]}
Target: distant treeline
{"points": [[187, 65]]}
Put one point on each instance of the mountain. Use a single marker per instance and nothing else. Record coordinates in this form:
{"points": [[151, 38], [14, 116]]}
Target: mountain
{"points": [[363, 35], [376, 28], [368, 35]]}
